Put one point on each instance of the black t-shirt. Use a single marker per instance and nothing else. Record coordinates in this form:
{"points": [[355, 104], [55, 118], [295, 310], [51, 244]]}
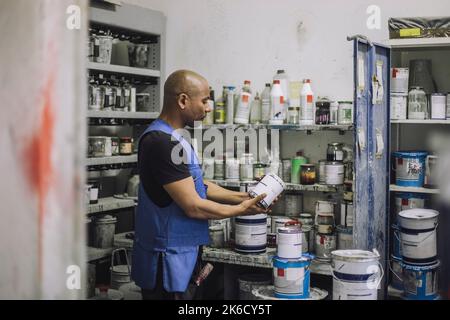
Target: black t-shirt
{"points": [[156, 167]]}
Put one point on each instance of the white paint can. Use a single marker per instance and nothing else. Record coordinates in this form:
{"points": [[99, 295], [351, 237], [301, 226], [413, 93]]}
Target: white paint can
{"points": [[291, 277], [289, 242], [324, 244], [399, 106], [399, 80], [356, 274], [251, 233], [334, 173], [347, 213], [272, 186], [232, 169], [324, 219], [344, 237], [208, 168], [418, 235], [322, 171], [438, 106]]}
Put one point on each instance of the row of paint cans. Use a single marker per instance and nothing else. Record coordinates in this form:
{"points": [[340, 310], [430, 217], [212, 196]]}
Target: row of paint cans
{"points": [[356, 274], [418, 236], [292, 277], [251, 233], [344, 237], [420, 282], [409, 168], [289, 241], [408, 200]]}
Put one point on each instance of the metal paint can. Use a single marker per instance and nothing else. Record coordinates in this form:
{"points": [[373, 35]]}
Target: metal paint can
{"points": [[286, 170], [418, 235], [347, 213], [272, 186], [399, 106], [291, 277], [408, 200], [232, 169], [307, 238], [324, 244], [344, 237], [399, 80], [219, 169], [420, 282], [334, 173], [409, 168], [259, 170], [251, 233], [438, 106], [289, 242], [324, 219], [356, 274]]}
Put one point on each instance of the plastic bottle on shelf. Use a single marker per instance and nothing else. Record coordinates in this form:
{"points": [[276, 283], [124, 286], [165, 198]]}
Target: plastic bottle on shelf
{"points": [[243, 108], [306, 104], [228, 98], [209, 118], [265, 104], [276, 104], [255, 110], [284, 83]]}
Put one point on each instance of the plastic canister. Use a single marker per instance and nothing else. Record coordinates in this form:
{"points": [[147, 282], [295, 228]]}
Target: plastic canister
{"points": [[272, 186]]}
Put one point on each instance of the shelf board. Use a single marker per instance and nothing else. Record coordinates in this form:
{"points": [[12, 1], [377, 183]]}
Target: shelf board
{"points": [[419, 43], [123, 69], [262, 260], [286, 127], [394, 187], [122, 115], [289, 186], [421, 121], [109, 204], [111, 160]]}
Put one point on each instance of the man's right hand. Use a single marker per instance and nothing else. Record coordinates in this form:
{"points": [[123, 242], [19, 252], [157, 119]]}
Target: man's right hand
{"points": [[250, 207]]}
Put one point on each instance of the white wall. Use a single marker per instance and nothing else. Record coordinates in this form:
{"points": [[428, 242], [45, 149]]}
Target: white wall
{"points": [[233, 40]]}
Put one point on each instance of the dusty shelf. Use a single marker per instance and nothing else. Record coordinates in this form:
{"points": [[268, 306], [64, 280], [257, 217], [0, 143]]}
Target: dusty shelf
{"points": [[394, 187], [122, 115], [412, 121], [123, 69], [111, 160], [289, 186], [109, 204], [419, 43]]}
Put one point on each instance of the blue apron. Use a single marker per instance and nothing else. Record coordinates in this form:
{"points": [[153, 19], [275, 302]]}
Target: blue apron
{"points": [[168, 231]]}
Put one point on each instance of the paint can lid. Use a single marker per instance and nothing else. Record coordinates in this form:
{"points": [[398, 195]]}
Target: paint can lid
{"points": [[418, 214]]}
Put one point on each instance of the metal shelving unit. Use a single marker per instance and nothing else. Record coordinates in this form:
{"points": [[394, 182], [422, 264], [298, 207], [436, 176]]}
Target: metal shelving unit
{"points": [[419, 43], [112, 68], [408, 121], [110, 204], [289, 186], [111, 160], [285, 127], [396, 188], [122, 115]]}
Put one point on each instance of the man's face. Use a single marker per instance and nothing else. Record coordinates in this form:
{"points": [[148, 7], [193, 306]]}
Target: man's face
{"points": [[197, 105]]}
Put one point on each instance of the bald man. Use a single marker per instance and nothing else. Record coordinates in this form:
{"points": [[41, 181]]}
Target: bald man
{"points": [[175, 202]]}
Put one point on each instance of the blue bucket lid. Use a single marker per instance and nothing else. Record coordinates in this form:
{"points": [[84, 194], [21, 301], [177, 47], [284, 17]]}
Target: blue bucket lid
{"points": [[410, 154], [409, 195]]}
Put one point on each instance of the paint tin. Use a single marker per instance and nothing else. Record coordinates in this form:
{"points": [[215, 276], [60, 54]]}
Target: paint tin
{"points": [[216, 233], [248, 282], [291, 277], [356, 274], [259, 170], [232, 169], [278, 221], [208, 169], [334, 173], [322, 171], [286, 170], [347, 213], [345, 112], [104, 230], [408, 200], [251, 233], [324, 219], [399, 80], [438, 106], [398, 106], [289, 242], [420, 282], [396, 272], [219, 169], [418, 235], [272, 186], [306, 219], [293, 204], [409, 168], [344, 237], [307, 238], [324, 244]]}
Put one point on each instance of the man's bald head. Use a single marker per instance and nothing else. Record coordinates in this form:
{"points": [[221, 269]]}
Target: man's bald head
{"points": [[182, 81]]}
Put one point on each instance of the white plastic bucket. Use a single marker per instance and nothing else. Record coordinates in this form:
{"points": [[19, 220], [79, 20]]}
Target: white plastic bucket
{"points": [[251, 233], [272, 186], [356, 274], [289, 242], [418, 235], [291, 277]]}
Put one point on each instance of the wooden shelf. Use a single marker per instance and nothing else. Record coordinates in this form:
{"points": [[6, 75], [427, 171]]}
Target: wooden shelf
{"points": [[122, 115], [111, 160], [123, 69], [394, 187], [419, 43], [109, 204], [412, 121], [262, 260]]}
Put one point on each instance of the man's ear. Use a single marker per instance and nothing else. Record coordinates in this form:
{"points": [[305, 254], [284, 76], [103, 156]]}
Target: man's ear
{"points": [[182, 100]]}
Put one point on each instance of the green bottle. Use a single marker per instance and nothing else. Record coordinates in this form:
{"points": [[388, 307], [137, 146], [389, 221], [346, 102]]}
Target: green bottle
{"points": [[296, 163]]}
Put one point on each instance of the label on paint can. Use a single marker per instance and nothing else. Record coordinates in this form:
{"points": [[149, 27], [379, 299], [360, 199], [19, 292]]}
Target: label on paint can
{"points": [[398, 106], [251, 233], [272, 186], [334, 173]]}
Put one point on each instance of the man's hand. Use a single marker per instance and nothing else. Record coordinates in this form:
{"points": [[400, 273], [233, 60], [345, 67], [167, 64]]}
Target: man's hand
{"points": [[250, 207]]}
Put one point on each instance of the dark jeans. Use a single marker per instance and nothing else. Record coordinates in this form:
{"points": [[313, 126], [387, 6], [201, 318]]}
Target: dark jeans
{"points": [[159, 293]]}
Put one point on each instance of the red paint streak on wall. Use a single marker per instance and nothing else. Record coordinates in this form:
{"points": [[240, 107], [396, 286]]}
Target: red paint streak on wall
{"points": [[37, 159]]}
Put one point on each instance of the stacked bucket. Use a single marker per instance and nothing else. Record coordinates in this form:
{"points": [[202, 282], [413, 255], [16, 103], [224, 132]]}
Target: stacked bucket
{"points": [[414, 263]]}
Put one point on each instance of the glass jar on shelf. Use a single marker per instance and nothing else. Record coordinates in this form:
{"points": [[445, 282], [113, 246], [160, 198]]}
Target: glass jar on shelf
{"points": [[95, 95], [417, 104], [126, 146]]}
